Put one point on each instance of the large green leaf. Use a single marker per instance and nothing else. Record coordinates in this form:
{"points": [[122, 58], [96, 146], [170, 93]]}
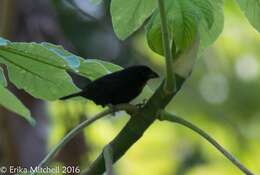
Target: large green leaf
{"points": [[128, 16], [40, 69], [10, 101], [37, 70], [251, 8], [2, 78], [184, 18]]}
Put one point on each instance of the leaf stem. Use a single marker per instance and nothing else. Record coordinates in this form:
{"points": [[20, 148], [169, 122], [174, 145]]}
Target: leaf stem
{"points": [[170, 77], [172, 118], [127, 107]]}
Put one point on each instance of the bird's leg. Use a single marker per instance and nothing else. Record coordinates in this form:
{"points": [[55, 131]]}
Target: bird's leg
{"points": [[141, 105], [113, 108]]}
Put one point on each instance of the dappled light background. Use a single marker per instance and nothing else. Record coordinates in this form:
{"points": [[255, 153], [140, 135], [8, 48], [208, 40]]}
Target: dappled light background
{"points": [[221, 96]]}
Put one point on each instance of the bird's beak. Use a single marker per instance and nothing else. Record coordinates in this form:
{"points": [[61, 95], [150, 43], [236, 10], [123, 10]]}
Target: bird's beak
{"points": [[154, 75]]}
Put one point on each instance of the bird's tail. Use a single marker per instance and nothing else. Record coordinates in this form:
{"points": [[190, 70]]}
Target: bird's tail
{"points": [[70, 96]]}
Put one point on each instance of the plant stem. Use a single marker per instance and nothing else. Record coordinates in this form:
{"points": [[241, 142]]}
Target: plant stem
{"points": [[172, 118], [81, 126], [170, 77]]}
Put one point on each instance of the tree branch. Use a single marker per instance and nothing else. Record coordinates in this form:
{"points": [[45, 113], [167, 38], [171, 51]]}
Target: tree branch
{"points": [[172, 118], [126, 107], [170, 83]]}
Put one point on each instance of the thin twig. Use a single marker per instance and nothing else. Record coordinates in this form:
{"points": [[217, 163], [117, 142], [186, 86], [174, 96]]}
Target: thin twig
{"points": [[170, 117], [126, 107]]}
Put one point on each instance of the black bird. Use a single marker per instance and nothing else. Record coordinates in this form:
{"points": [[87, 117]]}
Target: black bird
{"points": [[118, 87]]}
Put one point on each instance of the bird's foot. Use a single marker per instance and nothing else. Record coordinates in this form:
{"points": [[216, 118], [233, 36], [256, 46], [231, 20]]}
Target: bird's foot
{"points": [[142, 104], [113, 109]]}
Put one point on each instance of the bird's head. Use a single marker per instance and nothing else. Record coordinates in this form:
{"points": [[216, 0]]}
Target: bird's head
{"points": [[144, 72]]}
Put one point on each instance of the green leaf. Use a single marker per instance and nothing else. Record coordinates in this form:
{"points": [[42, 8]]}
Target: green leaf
{"points": [[37, 70], [182, 19], [40, 69], [128, 16], [2, 78], [251, 9], [10, 102], [185, 18]]}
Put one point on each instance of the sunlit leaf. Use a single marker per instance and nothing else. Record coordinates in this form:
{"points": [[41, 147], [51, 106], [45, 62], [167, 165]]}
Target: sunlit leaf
{"points": [[35, 69], [10, 102], [251, 8], [128, 16], [40, 69]]}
